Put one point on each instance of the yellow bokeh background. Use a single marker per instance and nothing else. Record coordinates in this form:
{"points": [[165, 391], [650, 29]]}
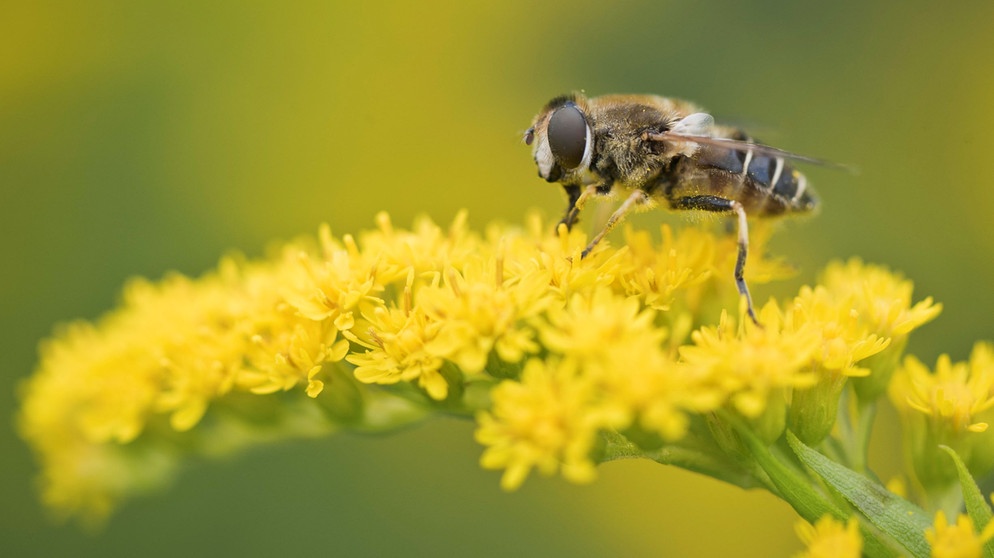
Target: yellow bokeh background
{"points": [[140, 137]]}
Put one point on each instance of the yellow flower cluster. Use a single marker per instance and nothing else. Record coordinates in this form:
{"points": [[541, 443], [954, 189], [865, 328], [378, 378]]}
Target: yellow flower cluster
{"points": [[171, 350], [953, 406], [830, 538], [957, 540], [880, 297], [634, 340]]}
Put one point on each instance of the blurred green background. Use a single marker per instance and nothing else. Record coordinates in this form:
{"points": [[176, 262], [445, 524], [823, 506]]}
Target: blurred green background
{"points": [[139, 137]]}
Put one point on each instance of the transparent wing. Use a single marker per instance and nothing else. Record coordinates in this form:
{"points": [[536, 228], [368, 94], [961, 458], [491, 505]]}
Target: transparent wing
{"points": [[698, 129]]}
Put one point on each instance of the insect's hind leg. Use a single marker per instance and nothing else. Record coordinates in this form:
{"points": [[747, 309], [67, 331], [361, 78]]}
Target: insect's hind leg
{"points": [[721, 205]]}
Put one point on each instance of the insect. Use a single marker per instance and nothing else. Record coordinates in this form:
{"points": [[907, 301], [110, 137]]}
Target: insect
{"points": [[653, 149]]}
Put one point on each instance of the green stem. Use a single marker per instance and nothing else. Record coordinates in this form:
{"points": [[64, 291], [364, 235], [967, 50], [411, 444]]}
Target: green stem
{"points": [[792, 486], [855, 428], [866, 413], [697, 458]]}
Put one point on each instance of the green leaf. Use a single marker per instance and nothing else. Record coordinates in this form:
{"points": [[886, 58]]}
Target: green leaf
{"points": [[976, 506], [809, 503], [903, 521]]}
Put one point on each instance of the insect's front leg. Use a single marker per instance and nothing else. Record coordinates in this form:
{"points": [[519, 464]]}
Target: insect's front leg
{"points": [[577, 199], [573, 195], [721, 205]]}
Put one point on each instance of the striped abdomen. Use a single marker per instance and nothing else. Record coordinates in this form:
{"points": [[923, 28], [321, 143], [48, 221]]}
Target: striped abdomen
{"points": [[765, 185]]}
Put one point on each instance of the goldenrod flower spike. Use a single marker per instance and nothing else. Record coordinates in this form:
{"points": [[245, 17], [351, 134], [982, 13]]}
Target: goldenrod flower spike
{"points": [[564, 362]]}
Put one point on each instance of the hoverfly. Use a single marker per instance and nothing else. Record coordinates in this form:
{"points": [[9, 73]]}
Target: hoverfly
{"points": [[652, 148]]}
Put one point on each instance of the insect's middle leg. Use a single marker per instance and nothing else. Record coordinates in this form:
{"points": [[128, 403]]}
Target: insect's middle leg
{"points": [[721, 205], [637, 198]]}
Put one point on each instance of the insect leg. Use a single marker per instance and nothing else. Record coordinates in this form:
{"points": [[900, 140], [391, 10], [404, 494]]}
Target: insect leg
{"points": [[573, 194], [722, 205], [577, 200], [638, 197]]}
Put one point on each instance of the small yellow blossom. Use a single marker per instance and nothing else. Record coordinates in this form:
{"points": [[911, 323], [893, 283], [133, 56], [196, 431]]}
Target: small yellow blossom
{"points": [[596, 326], [398, 350], [549, 421], [655, 274], [749, 365], [845, 339], [331, 283], [951, 396], [830, 538], [690, 272], [556, 258], [881, 298], [957, 540], [426, 248], [484, 312], [171, 350], [952, 405]]}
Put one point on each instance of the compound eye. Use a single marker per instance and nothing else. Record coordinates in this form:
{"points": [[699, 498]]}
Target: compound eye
{"points": [[568, 136]]}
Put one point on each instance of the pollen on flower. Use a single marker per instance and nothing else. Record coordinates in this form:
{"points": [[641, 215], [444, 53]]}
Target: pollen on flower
{"points": [[830, 538]]}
